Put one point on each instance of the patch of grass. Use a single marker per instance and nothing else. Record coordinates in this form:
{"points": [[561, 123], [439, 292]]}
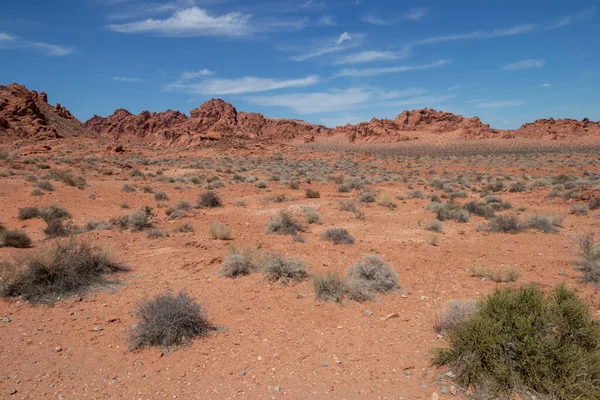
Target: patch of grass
{"points": [[498, 275], [505, 224], [284, 224], [522, 340], [329, 287], [16, 239], [219, 231], [279, 268], [369, 276], [386, 200], [338, 236], [209, 200], [68, 268], [167, 321]]}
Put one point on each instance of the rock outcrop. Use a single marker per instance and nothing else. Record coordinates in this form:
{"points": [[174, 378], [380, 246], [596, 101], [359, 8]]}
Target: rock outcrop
{"points": [[25, 114], [558, 129]]}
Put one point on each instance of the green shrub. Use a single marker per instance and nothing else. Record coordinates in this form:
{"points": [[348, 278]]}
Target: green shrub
{"points": [[520, 341], [68, 268], [167, 321]]}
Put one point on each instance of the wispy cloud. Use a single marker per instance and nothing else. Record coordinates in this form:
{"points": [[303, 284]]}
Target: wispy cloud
{"points": [[371, 19], [326, 20], [371, 56], [416, 14], [500, 104], [127, 79], [334, 100], [248, 84], [196, 21], [357, 72], [330, 45], [8, 41], [196, 74], [524, 64], [514, 30], [545, 85]]}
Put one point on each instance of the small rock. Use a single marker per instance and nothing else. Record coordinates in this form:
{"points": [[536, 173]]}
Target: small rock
{"points": [[58, 349], [390, 316], [453, 390], [277, 388], [5, 319], [434, 396], [450, 374], [324, 365], [440, 336], [561, 272], [368, 313], [242, 373], [98, 328], [406, 373], [259, 358], [12, 391], [338, 362], [444, 390]]}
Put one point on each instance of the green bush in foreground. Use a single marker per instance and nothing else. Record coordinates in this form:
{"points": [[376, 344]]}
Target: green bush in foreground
{"points": [[522, 340]]}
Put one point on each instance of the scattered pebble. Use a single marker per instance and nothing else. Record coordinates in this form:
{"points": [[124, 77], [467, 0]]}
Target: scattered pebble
{"points": [[368, 313], [277, 388], [242, 373], [5, 319], [12, 391], [58, 349]]}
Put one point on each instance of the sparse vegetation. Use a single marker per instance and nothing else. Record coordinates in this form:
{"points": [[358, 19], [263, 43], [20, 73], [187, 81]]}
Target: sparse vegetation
{"points": [[498, 275], [369, 276], [16, 239], [505, 224], [284, 224], [338, 236], [312, 194], [241, 262], [457, 313], [311, 215], [329, 287], [209, 200], [219, 231], [589, 259], [279, 268]]}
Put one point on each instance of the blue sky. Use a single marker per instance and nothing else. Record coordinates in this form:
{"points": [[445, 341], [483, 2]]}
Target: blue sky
{"points": [[324, 61]]}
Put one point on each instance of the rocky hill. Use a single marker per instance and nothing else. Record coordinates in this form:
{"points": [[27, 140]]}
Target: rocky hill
{"points": [[26, 114], [213, 120]]}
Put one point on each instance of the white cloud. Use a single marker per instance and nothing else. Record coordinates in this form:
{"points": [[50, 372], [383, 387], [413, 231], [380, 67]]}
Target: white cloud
{"points": [[196, 74], [371, 19], [416, 14], [515, 30], [500, 104], [524, 64], [545, 85], [8, 41], [356, 72], [248, 84], [189, 22], [330, 45], [371, 56], [127, 79]]}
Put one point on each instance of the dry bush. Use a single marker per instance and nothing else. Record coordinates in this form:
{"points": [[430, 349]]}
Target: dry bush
{"points": [[338, 236], [284, 224], [277, 267], [498, 275], [26, 213], [370, 275], [68, 268], [350, 206], [594, 203], [128, 188], [457, 313], [183, 228], [544, 223], [209, 200], [45, 185], [16, 239], [329, 287], [156, 233], [241, 262], [219, 231], [589, 258], [136, 221], [386, 200], [311, 215], [505, 224], [55, 228], [579, 209], [452, 211], [312, 194], [161, 196], [167, 321], [434, 226]]}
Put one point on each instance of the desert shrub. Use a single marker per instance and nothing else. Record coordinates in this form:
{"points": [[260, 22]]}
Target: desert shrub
{"points": [[55, 228], [329, 287], [173, 215], [68, 178], [219, 231], [497, 275], [434, 226], [579, 209], [45, 185], [594, 203], [209, 199], [53, 212], [505, 224], [344, 188], [457, 313], [36, 192], [2, 228], [338, 236], [589, 258], [521, 340], [415, 194], [135, 221], [452, 211], [183, 228], [312, 194], [386, 200], [261, 184], [156, 233], [147, 189], [368, 276], [68, 268], [161, 196], [350, 206], [241, 262], [26, 213], [367, 197], [128, 188], [517, 187], [311, 215], [544, 223], [16, 239], [496, 186], [182, 205], [480, 209], [277, 267], [294, 185], [284, 224], [167, 320]]}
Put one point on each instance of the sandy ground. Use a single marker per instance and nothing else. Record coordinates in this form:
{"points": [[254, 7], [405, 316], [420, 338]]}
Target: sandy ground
{"points": [[278, 341]]}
